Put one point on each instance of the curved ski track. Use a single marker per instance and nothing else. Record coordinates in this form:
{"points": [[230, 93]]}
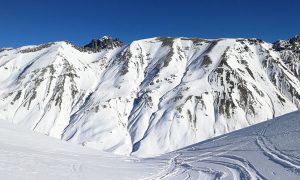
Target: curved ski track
{"points": [[229, 160]]}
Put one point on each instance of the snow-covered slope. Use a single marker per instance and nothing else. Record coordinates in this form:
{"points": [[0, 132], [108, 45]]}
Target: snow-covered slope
{"points": [[269, 150], [28, 155], [151, 96]]}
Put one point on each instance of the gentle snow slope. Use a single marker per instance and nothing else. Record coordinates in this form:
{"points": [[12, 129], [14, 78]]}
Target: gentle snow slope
{"points": [[269, 150], [28, 155]]}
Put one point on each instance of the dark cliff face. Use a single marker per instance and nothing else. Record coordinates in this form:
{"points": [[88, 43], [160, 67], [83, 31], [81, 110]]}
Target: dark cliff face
{"points": [[295, 40], [290, 44], [290, 53], [105, 42]]}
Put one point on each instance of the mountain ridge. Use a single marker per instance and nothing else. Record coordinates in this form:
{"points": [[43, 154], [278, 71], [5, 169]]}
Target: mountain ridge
{"points": [[151, 96]]}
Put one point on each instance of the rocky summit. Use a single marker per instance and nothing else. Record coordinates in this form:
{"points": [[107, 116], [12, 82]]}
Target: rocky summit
{"points": [[106, 42]]}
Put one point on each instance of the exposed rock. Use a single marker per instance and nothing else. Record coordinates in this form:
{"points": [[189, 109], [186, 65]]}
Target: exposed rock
{"points": [[106, 42]]}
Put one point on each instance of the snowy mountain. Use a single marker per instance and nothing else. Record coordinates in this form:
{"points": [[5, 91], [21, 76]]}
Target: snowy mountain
{"points": [[151, 96], [269, 150]]}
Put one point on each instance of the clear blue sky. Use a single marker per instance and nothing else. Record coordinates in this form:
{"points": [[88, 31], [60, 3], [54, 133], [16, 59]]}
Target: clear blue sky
{"points": [[39, 21]]}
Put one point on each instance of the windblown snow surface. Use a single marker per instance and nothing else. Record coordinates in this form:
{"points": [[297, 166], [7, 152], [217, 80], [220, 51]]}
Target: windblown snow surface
{"points": [[269, 150]]}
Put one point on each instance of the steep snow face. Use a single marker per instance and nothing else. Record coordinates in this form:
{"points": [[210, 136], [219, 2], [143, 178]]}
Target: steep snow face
{"points": [[151, 96]]}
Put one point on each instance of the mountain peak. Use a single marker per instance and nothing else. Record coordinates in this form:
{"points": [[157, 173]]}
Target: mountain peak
{"points": [[290, 44], [106, 42], [295, 39], [106, 37]]}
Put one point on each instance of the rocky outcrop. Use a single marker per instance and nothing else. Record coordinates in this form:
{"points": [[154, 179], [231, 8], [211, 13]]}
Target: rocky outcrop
{"points": [[105, 42]]}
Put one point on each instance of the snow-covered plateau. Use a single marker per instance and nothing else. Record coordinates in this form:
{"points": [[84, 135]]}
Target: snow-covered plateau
{"points": [[151, 96]]}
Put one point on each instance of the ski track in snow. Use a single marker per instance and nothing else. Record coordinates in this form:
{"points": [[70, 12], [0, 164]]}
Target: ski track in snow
{"points": [[221, 162], [275, 155], [249, 168]]}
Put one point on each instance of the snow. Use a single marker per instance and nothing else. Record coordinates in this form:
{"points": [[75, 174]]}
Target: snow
{"points": [[28, 155], [149, 97], [268, 150]]}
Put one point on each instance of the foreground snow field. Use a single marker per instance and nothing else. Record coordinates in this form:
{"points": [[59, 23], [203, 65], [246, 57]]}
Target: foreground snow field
{"points": [[28, 155], [269, 150]]}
